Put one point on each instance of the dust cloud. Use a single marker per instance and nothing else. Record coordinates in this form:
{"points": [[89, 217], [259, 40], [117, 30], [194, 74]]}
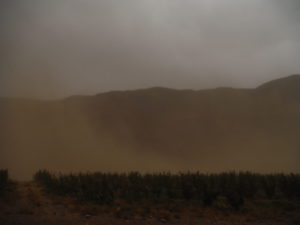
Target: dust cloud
{"points": [[56, 56]]}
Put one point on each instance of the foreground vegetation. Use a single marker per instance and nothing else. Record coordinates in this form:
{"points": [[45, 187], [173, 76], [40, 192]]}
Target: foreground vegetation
{"points": [[3, 181], [195, 188]]}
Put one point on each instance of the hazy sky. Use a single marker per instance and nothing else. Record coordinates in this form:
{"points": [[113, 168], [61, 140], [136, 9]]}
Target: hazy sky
{"points": [[55, 48]]}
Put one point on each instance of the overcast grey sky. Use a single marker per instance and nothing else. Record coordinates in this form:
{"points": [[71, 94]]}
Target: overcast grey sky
{"points": [[56, 48]]}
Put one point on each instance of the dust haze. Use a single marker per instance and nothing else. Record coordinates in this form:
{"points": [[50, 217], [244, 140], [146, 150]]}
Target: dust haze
{"points": [[74, 47], [52, 50]]}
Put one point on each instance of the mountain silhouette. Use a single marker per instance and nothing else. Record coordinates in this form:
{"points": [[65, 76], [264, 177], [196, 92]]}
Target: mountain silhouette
{"points": [[156, 129]]}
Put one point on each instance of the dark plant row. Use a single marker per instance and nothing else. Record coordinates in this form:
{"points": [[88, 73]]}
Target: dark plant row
{"points": [[204, 189]]}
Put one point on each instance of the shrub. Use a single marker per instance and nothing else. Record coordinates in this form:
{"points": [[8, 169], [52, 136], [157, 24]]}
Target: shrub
{"points": [[160, 188], [4, 181]]}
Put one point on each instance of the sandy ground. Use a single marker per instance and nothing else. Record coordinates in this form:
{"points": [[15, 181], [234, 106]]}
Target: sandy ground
{"points": [[29, 205]]}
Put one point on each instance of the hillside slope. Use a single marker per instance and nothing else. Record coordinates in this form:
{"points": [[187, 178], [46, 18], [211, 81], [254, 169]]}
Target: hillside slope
{"points": [[156, 129]]}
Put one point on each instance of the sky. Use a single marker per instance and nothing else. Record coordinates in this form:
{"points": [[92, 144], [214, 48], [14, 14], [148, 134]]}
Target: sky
{"points": [[58, 48]]}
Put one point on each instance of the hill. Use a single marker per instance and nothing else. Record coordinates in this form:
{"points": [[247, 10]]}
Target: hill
{"points": [[156, 129]]}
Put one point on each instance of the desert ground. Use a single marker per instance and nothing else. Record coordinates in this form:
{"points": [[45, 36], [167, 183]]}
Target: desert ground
{"points": [[28, 204]]}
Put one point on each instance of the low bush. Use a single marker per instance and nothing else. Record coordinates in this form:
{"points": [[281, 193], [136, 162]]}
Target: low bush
{"points": [[160, 188]]}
